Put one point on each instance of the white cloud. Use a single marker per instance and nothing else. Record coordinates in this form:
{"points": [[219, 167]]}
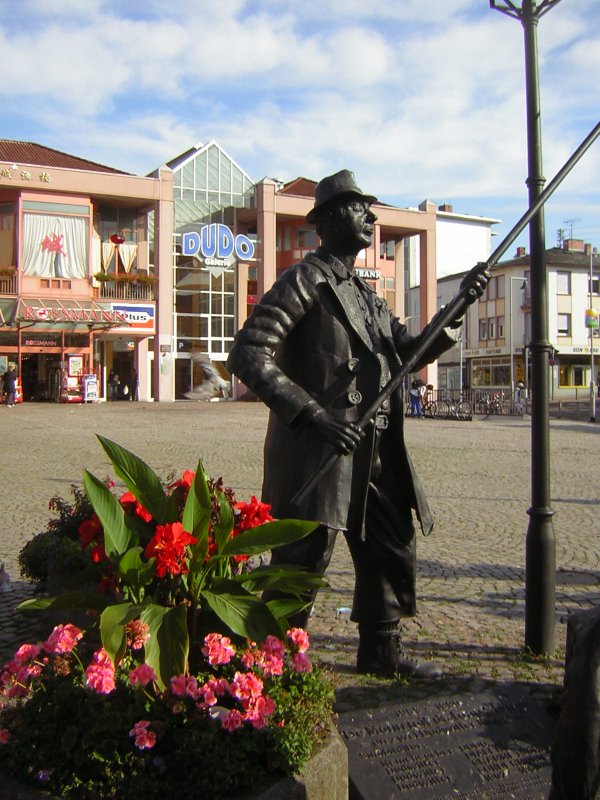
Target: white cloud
{"points": [[421, 99]]}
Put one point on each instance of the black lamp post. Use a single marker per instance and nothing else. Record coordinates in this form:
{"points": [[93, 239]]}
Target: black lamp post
{"points": [[540, 549]]}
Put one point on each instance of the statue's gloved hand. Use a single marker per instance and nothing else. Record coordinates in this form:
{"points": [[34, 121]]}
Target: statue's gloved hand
{"points": [[475, 282], [343, 436]]}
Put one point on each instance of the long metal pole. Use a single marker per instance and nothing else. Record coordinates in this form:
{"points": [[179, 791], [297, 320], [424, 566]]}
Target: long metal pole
{"points": [[592, 386], [510, 337], [448, 313], [540, 543]]}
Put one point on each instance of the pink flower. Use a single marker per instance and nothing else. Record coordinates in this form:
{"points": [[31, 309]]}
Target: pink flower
{"points": [[27, 652], [270, 656], [248, 659], [220, 686], [4, 736], [273, 646], [299, 638], [184, 685], [100, 675], [301, 663], [258, 711], [144, 739], [232, 720], [138, 634], [142, 675], [209, 697], [218, 649], [63, 639], [245, 686]]}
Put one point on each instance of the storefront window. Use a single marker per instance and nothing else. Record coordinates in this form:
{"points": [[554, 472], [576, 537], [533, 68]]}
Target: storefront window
{"points": [[8, 339], [573, 376], [490, 372]]}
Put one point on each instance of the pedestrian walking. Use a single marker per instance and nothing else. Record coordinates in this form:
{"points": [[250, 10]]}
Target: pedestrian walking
{"points": [[113, 383], [134, 385], [10, 386], [415, 397]]}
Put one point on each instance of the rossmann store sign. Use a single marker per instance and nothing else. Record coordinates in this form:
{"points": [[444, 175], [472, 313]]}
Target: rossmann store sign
{"points": [[217, 246], [72, 314]]}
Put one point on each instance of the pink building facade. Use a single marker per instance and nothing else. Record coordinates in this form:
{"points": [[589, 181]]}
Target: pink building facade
{"points": [[150, 277]]}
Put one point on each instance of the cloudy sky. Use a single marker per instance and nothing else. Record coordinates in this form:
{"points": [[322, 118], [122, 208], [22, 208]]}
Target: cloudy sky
{"points": [[421, 98]]}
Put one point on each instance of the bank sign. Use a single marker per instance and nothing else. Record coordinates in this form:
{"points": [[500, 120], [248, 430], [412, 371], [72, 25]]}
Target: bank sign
{"points": [[217, 246]]}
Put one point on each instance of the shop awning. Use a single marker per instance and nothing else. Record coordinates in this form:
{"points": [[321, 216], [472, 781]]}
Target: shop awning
{"points": [[7, 311], [71, 315]]}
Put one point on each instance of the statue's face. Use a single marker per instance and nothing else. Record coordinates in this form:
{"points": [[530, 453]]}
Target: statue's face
{"points": [[352, 223]]}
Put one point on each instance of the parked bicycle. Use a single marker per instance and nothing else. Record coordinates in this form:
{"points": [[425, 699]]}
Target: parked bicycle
{"points": [[490, 404], [454, 409]]}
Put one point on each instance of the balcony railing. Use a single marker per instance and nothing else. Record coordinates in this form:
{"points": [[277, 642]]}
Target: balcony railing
{"points": [[126, 290], [8, 283]]}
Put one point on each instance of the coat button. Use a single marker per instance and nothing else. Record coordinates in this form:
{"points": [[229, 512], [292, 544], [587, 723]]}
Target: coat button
{"points": [[354, 397], [354, 365]]}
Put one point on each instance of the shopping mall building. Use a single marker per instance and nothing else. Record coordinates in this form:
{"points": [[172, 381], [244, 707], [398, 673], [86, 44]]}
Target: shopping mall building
{"points": [[151, 276]]}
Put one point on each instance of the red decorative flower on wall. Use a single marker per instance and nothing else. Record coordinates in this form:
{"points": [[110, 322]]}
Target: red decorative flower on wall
{"points": [[53, 244]]}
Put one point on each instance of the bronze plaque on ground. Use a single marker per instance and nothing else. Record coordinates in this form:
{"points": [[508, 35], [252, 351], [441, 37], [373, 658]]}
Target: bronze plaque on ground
{"points": [[489, 746]]}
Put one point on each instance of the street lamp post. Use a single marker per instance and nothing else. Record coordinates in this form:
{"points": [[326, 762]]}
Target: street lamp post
{"points": [[592, 323], [540, 548], [510, 331]]}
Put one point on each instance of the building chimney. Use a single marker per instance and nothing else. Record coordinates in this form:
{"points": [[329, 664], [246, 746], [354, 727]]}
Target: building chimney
{"points": [[573, 245], [446, 207], [587, 249], [521, 251]]}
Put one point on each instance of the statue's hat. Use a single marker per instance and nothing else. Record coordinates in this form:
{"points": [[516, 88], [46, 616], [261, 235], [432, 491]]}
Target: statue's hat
{"points": [[333, 186]]}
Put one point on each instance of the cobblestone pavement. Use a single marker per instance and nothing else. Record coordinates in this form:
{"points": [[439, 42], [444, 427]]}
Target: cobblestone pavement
{"points": [[471, 569]]}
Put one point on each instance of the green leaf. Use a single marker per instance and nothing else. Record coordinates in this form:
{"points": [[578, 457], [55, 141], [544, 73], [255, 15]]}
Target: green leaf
{"points": [[72, 600], [112, 628], [143, 483], [283, 577], [135, 572], [243, 612], [268, 536], [284, 609], [196, 514], [222, 530], [117, 537], [167, 649]]}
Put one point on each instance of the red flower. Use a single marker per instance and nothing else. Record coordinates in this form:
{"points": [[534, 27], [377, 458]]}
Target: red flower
{"points": [[131, 506], [98, 554], [252, 514], [185, 481], [168, 546], [90, 531]]}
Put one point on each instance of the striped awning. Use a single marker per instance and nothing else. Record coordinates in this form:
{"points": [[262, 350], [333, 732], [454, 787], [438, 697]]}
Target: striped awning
{"points": [[71, 315]]}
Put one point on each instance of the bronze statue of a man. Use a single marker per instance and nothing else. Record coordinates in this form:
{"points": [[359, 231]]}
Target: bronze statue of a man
{"points": [[317, 349]]}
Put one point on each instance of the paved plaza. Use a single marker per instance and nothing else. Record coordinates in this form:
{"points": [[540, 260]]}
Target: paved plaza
{"points": [[471, 568]]}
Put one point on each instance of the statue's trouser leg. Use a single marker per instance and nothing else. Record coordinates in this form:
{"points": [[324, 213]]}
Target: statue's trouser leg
{"points": [[312, 553]]}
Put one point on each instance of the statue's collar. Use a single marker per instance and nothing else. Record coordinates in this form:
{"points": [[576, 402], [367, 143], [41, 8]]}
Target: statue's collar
{"points": [[339, 269]]}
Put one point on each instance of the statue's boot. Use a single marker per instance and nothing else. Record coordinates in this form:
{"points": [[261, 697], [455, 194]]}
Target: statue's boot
{"points": [[380, 653]]}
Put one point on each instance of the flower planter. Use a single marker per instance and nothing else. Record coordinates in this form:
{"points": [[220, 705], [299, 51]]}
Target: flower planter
{"points": [[156, 667], [325, 777]]}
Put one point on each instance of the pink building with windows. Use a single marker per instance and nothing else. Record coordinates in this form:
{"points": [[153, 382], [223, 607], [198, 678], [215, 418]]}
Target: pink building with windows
{"points": [[98, 272]]}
